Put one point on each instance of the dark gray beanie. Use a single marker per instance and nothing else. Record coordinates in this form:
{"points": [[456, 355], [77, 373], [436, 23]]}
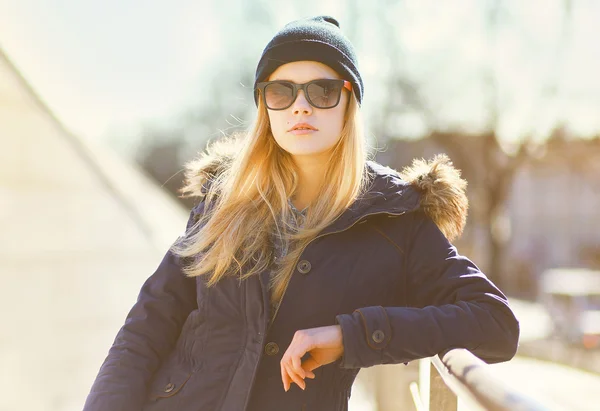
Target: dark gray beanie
{"points": [[315, 39]]}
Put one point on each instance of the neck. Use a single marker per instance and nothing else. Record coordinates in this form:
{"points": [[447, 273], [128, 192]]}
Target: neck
{"points": [[311, 173]]}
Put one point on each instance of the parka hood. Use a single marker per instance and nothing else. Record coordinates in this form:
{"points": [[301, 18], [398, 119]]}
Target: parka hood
{"points": [[433, 186]]}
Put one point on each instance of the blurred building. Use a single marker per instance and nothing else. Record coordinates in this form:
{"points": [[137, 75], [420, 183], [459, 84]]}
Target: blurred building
{"points": [[554, 209], [81, 231]]}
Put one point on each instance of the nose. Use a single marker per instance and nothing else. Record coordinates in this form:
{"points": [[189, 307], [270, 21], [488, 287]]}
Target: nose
{"points": [[301, 105]]}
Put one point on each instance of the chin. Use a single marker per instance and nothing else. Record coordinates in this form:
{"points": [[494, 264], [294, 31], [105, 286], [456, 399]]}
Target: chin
{"points": [[301, 146], [308, 151]]}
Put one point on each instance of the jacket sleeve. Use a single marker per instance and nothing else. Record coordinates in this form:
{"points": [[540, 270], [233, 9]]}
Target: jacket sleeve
{"points": [[452, 304], [150, 332]]}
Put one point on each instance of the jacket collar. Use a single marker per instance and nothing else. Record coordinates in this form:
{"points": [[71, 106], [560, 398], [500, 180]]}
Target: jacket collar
{"points": [[386, 194]]}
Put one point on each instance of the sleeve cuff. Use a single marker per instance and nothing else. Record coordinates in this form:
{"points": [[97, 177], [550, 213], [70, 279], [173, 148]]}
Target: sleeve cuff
{"points": [[366, 332]]}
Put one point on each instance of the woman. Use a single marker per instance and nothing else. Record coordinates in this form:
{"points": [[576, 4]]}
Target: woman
{"points": [[303, 261]]}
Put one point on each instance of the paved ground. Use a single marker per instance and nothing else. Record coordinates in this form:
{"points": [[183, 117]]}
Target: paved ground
{"points": [[557, 386]]}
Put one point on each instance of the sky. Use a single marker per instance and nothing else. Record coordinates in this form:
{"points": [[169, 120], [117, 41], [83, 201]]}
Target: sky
{"points": [[106, 67]]}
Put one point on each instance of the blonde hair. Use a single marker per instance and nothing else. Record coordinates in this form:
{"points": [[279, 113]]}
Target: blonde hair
{"points": [[246, 201]]}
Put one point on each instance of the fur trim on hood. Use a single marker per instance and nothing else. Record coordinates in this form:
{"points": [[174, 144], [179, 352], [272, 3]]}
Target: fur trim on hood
{"points": [[217, 158], [441, 188]]}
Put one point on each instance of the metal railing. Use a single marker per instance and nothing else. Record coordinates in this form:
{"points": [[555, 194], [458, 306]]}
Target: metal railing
{"points": [[461, 376]]}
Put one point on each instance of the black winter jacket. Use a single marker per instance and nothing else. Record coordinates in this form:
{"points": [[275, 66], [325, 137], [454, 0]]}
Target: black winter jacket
{"points": [[384, 270]]}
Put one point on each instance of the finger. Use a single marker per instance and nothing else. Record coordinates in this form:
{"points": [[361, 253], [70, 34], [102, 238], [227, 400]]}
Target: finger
{"points": [[285, 378], [297, 365], [295, 377], [309, 374]]}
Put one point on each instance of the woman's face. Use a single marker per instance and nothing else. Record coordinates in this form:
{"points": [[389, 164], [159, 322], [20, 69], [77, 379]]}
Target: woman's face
{"points": [[328, 123]]}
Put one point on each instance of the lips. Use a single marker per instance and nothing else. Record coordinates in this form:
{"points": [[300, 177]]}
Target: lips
{"points": [[302, 126]]}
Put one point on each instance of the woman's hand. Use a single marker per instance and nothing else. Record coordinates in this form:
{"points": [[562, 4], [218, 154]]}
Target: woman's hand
{"points": [[324, 345]]}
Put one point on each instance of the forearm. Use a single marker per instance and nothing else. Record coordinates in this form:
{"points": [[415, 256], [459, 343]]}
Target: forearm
{"points": [[391, 335]]}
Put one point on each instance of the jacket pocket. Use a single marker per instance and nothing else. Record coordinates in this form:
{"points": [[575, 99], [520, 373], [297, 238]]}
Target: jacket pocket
{"points": [[169, 381]]}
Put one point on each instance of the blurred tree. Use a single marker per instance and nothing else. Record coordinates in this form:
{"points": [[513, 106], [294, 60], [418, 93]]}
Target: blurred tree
{"points": [[487, 161]]}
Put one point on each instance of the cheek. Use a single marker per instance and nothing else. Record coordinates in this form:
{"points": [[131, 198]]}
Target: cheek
{"points": [[335, 123], [277, 123]]}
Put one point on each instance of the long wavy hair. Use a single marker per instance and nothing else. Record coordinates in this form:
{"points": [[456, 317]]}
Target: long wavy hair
{"points": [[246, 201]]}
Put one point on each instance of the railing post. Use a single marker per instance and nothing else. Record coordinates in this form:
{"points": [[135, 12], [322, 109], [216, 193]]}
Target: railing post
{"points": [[432, 393], [441, 397]]}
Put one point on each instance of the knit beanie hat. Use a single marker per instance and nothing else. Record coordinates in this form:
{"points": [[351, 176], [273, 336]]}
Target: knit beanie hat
{"points": [[315, 39]]}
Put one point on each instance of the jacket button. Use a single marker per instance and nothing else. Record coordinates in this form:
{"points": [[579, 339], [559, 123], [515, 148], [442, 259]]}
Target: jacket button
{"points": [[303, 266], [378, 336], [169, 387], [271, 348]]}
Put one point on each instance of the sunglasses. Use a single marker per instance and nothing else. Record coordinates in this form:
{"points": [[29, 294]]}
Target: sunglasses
{"points": [[322, 93]]}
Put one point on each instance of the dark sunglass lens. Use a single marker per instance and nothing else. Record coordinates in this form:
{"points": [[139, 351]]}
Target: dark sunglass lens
{"points": [[279, 95], [324, 93]]}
